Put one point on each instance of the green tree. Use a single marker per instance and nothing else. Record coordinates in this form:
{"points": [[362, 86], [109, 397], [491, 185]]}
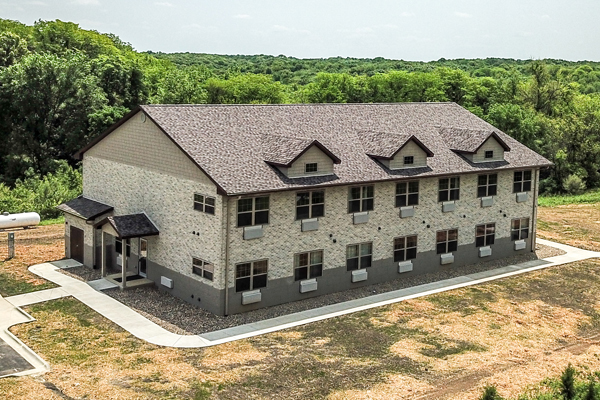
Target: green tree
{"points": [[245, 89], [12, 48]]}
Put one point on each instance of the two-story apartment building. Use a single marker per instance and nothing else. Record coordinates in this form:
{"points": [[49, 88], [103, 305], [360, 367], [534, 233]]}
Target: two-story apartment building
{"points": [[237, 207]]}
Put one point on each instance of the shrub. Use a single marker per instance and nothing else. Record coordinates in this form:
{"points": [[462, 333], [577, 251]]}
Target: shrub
{"points": [[567, 383], [490, 393], [573, 184]]}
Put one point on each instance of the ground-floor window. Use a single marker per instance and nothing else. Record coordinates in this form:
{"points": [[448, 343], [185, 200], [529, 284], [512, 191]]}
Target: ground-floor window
{"points": [[447, 241], [251, 275], [485, 234], [519, 228], [359, 256], [203, 268], [405, 248], [308, 265]]}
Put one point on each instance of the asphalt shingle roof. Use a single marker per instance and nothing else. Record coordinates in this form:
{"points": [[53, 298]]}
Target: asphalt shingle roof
{"points": [[133, 225], [84, 208], [234, 143]]}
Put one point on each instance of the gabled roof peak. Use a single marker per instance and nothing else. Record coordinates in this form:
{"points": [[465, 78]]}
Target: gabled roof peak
{"points": [[465, 140], [385, 146], [282, 151]]}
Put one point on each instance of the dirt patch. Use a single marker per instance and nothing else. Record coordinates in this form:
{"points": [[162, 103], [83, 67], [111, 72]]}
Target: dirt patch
{"points": [[576, 225]]}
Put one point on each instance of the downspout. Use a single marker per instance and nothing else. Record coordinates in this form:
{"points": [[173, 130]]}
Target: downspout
{"points": [[534, 213], [226, 206]]}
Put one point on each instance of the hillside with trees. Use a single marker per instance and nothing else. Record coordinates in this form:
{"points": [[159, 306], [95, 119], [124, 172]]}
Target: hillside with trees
{"points": [[60, 86]]}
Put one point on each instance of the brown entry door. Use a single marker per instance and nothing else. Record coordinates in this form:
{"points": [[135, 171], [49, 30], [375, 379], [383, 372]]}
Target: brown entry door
{"points": [[77, 244]]}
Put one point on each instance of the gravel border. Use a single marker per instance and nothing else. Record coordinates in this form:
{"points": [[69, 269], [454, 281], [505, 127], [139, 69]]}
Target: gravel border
{"points": [[183, 318]]}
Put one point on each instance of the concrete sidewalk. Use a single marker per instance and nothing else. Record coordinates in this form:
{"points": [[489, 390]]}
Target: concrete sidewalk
{"points": [[147, 330]]}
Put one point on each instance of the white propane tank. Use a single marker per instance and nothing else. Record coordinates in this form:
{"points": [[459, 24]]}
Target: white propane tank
{"points": [[22, 220]]}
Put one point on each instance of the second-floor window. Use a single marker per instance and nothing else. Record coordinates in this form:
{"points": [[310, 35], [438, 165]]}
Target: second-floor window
{"points": [[253, 211], [405, 248], [446, 241], [407, 194], [251, 275], [449, 189], [360, 198], [485, 234], [310, 204], [522, 181], [359, 256], [519, 229], [204, 203], [308, 265], [487, 185]]}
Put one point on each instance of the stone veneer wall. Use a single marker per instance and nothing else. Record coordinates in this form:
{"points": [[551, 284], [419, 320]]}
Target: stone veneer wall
{"points": [[283, 237]]}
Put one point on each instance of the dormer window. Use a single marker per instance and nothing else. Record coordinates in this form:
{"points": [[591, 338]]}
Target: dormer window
{"points": [[311, 167], [409, 160], [489, 154]]}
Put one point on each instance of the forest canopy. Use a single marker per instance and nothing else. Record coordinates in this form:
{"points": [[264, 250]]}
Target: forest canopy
{"points": [[60, 86]]}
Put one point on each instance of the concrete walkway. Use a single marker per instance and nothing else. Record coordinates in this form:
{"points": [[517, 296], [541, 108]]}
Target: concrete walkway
{"points": [[147, 330]]}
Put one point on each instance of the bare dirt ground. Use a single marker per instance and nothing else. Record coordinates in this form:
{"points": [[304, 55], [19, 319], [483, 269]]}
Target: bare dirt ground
{"points": [[512, 333]]}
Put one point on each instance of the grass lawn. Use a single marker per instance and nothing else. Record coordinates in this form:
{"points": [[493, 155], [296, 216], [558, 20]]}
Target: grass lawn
{"points": [[511, 333]]}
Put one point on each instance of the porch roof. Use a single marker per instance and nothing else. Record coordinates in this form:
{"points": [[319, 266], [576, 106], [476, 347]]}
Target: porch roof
{"points": [[84, 208], [131, 225]]}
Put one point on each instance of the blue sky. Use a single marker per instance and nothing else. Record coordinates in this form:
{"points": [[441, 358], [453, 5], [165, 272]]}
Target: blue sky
{"points": [[410, 30]]}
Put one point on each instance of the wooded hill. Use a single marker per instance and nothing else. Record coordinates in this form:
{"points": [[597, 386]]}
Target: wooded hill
{"points": [[60, 86]]}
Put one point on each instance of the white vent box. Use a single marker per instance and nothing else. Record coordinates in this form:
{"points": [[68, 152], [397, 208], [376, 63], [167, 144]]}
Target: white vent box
{"points": [[253, 232], [166, 282], [485, 251], [252, 296], [448, 206], [359, 275], [405, 266], [311, 224], [407, 212], [487, 201], [522, 197], [520, 244], [309, 285], [447, 258], [361, 217]]}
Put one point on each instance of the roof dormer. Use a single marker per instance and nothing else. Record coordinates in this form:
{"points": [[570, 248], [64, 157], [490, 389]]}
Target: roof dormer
{"points": [[298, 157], [477, 146], [398, 151]]}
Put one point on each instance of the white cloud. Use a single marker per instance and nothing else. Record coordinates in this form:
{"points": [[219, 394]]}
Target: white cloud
{"points": [[37, 3], [407, 14], [545, 16], [242, 16], [391, 26], [163, 4], [463, 15], [86, 2], [282, 28]]}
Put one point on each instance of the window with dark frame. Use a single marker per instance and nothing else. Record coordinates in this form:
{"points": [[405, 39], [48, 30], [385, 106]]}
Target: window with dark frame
{"points": [[489, 154], [203, 268], [447, 241], [310, 204], [522, 181], [487, 185], [204, 203], [519, 229], [409, 160], [485, 234], [311, 167], [360, 198], [405, 248], [251, 275], [253, 211], [407, 193], [119, 247], [449, 189], [308, 265], [359, 256]]}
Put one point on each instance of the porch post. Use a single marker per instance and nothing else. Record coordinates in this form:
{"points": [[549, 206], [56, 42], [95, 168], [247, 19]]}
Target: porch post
{"points": [[123, 263], [102, 255]]}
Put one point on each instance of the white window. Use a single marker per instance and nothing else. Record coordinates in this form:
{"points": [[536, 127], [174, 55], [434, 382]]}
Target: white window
{"points": [[407, 194], [359, 256], [449, 189], [310, 204], [522, 181], [487, 185], [251, 275], [308, 265], [204, 203], [485, 234], [253, 211], [203, 268], [360, 198]]}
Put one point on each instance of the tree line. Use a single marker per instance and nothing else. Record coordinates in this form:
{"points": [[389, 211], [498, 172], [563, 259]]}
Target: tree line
{"points": [[60, 86]]}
